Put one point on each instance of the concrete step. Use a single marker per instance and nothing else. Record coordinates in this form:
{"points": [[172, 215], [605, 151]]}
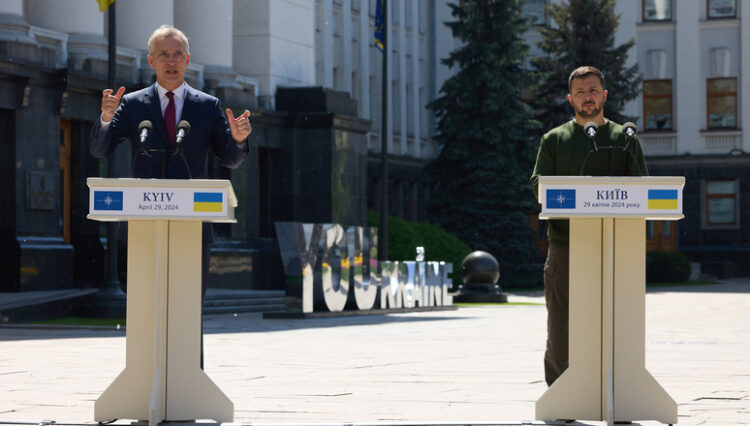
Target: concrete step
{"points": [[41, 305], [224, 301], [215, 310]]}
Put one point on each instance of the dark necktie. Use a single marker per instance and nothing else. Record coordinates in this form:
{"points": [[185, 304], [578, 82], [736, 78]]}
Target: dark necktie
{"points": [[169, 119]]}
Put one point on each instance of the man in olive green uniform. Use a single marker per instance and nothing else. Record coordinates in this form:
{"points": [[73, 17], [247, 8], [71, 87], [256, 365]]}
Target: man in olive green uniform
{"points": [[562, 153]]}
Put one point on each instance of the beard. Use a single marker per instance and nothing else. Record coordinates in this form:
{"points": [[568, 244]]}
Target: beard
{"points": [[583, 113]]}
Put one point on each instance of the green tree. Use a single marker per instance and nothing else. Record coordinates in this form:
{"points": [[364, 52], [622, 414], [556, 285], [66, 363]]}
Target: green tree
{"points": [[481, 188], [582, 33]]}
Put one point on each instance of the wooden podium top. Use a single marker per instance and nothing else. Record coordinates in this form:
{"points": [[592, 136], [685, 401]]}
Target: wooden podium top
{"points": [[126, 199], [647, 197]]}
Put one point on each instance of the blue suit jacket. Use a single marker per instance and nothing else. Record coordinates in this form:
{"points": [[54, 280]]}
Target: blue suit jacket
{"points": [[208, 130]]}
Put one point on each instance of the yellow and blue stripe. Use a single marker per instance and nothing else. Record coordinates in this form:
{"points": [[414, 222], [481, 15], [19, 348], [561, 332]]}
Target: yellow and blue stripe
{"points": [[207, 202], [662, 199]]}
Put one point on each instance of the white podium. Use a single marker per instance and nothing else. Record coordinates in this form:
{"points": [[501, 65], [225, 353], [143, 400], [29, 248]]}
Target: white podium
{"points": [[606, 377], [162, 379]]}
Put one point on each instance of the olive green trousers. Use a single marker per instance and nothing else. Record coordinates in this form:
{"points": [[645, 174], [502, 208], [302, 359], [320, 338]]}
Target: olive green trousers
{"points": [[556, 297]]}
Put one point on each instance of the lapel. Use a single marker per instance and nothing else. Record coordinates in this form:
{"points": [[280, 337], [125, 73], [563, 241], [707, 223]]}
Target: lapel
{"points": [[189, 108], [151, 100]]}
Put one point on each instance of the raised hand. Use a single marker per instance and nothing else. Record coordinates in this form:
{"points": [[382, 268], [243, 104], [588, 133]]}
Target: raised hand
{"points": [[239, 126], [110, 102]]}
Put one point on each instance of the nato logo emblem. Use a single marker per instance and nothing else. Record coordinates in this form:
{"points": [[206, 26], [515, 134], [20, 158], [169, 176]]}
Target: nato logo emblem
{"points": [[107, 200], [561, 198]]}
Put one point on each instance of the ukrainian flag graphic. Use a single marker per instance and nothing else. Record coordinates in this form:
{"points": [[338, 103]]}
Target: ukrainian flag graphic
{"points": [[662, 199], [207, 202]]}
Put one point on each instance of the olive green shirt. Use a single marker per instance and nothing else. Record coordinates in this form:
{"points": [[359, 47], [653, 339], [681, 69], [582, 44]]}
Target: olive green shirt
{"points": [[563, 150]]}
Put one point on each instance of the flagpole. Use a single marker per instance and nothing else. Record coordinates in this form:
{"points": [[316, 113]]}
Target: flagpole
{"points": [[383, 250], [110, 296]]}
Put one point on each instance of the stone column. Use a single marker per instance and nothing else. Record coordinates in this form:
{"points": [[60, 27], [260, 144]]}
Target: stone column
{"points": [[14, 7], [14, 31], [744, 112], [630, 14], [87, 45], [365, 41], [269, 49], [71, 16], [415, 80], [402, 76], [326, 44], [346, 44], [389, 76], [208, 26], [690, 87], [137, 19]]}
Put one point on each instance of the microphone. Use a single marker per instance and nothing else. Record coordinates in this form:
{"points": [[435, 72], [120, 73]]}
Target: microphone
{"points": [[144, 129], [630, 129], [591, 129], [183, 128]]}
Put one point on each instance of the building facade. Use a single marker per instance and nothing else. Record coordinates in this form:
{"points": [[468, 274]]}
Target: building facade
{"points": [[694, 57], [307, 69]]}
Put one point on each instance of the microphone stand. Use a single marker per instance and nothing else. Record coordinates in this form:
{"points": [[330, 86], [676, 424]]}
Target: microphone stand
{"points": [[629, 149], [141, 151], [179, 151], [592, 148]]}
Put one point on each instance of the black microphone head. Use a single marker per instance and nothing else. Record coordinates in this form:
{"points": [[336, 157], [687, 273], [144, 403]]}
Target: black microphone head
{"points": [[629, 128], [145, 124], [590, 129], [183, 125]]}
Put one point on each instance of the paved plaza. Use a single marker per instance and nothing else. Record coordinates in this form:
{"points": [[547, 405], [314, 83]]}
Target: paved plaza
{"points": [[476, 365]]}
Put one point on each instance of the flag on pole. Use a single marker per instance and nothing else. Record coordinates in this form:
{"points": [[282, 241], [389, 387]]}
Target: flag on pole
{"points": [[104, 4], [379, 25]]}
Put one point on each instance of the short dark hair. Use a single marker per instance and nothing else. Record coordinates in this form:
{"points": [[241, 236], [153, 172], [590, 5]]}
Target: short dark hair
{"points": [[585, 71]]}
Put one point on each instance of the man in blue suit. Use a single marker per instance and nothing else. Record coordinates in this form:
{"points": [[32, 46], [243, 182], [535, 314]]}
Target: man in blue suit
{"points": [[166, 103]]}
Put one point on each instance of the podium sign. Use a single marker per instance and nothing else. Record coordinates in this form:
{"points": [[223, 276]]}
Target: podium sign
{"points": [[644, 197], [162, 379], [171, 199], [606, 377]]}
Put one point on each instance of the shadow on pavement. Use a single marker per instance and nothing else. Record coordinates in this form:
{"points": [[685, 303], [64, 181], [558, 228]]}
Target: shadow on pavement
{"points": [[215, 324]]}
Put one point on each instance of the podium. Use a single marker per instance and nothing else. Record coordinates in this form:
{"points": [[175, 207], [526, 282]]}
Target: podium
{"points": [[162, 379], [606, 377]]}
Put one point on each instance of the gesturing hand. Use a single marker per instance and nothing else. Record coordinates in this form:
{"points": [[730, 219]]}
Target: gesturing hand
{"points": [[110, 102], [239, 126]]}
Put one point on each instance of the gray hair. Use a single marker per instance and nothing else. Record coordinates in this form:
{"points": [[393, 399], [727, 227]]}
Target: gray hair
{"points": [[167, 31]]}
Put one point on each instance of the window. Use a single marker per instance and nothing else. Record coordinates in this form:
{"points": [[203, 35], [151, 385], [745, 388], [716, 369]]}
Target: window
{"points": [[534, 11], [721, 97], [657, 10], [722, 9], [721, 203], [657, 104]]}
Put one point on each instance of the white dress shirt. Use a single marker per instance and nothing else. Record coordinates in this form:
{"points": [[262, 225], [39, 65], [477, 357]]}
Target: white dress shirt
{"points": [[179, 102]]}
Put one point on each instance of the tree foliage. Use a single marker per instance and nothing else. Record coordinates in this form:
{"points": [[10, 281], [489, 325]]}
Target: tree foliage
{"points": [[582, 33], [481, 188]]}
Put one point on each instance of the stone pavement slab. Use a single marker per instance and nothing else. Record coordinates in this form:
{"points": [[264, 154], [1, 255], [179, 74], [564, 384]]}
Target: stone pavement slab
{"points": [[478, 365]]}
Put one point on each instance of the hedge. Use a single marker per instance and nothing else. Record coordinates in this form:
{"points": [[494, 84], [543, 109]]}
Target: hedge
{"points": [[405, 236], [666, 266]]}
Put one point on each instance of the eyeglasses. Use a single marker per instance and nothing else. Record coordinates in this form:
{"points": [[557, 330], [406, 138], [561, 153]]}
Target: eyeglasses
{"points": [[165, 57], [594, 93]]}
